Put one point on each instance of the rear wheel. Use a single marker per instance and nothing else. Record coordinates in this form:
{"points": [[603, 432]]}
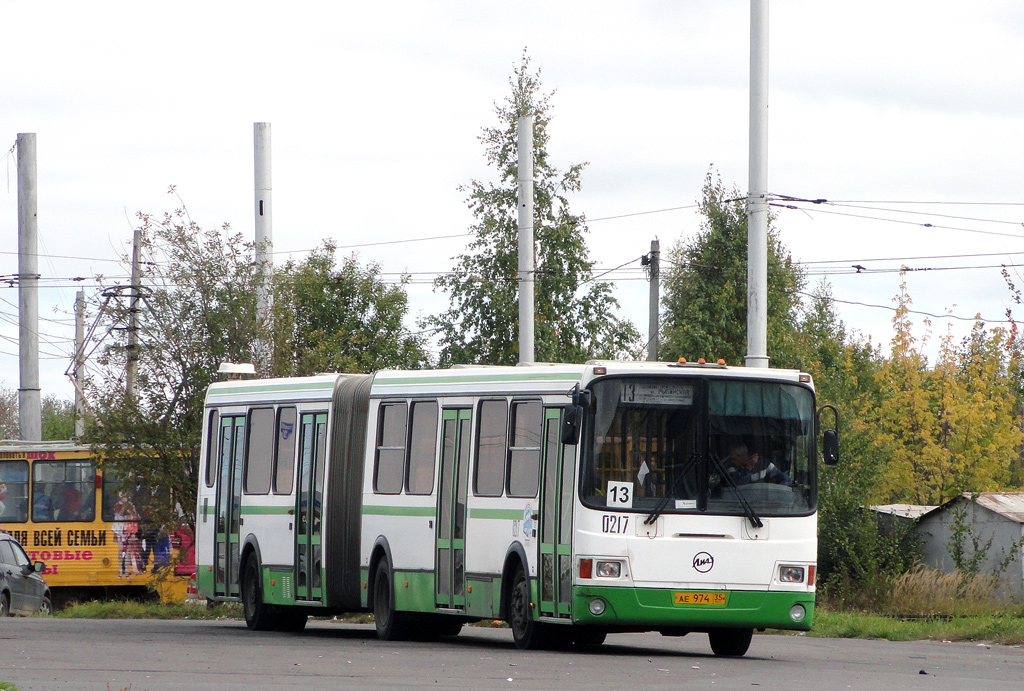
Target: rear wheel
{"points": [[258, 615], [730, 642], [5, 605], [527, 633], [391, 625]]}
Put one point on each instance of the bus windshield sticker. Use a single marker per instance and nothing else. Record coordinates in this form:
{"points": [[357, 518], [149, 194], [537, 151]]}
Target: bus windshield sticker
{"points": [[657, 393], [620, 495]]}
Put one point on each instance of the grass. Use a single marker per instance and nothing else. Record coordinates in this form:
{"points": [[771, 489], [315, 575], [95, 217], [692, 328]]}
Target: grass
{"points": [[129, 609], [923, 604]]}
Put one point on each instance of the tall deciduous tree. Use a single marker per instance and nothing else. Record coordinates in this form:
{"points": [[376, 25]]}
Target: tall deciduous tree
{"points": [[198, 309], [330, 318], [704, 310], [575, 315]]}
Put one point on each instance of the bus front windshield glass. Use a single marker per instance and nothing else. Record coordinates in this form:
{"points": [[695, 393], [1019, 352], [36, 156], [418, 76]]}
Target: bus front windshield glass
{"points": [[700, 445]]}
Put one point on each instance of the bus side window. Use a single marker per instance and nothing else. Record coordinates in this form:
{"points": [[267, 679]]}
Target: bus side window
{"points": [[389, 470], [13, 491], [260, 450], [422, 448], [524, 451], [491, 447], [212, 445], [284, 460]]}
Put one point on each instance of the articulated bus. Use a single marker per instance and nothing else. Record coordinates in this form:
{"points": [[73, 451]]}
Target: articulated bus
{"points": [[86, 526], [572, 501]]}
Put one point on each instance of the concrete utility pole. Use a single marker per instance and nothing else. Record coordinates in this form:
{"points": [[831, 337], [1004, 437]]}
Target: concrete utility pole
{"points": [[79, 364], [526, 259], [757, 194], [264, 232], [654, 262], [132, 368], [30, 420]]}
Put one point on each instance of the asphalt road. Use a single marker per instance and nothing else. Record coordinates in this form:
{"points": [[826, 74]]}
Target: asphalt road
{"points": [[154, 655]]}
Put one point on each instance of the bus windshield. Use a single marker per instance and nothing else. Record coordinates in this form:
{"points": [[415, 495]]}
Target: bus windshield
{"points": [[700, 445]]}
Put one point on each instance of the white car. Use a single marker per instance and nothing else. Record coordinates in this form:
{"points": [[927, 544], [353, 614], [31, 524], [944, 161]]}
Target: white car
{"points": [[22, 589]]}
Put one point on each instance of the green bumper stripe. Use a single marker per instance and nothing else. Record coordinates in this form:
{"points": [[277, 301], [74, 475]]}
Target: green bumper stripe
{"points": [[654, 607]]}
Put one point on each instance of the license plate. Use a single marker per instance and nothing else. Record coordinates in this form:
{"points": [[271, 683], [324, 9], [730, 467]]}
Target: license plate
{"points": [[700, 598]]}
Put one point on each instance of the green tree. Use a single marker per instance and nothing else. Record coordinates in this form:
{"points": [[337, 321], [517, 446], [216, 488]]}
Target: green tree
{"points": [[704, 308], [58, 418], [574, 314], [198, 309], [344, 318], [8, 413]]}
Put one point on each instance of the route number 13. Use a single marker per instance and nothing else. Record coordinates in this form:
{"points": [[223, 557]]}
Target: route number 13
{"points": [[620, 494]]}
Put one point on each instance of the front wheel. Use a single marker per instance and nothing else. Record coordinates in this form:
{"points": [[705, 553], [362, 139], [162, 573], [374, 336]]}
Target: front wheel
{"points": [[5, 606], [730, 642], [45, 607], [527, 633]]}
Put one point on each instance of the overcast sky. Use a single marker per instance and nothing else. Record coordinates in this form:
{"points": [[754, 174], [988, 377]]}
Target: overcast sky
{"points": [[375, 111]]}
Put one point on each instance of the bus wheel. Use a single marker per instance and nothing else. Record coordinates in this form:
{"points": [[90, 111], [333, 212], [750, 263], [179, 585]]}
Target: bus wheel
{"points": [[730, 642], [391, 626], [257, 614], [527, 633]]}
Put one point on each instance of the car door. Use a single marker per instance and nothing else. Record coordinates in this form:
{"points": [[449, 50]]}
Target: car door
{"points": [[26, 585]]}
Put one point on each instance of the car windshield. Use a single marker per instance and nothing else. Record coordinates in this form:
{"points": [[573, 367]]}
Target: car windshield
{"points": [[700, 445]]}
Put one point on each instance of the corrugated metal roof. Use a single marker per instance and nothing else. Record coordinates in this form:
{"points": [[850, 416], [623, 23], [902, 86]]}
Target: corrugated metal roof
{"points": [[903, 510], [1007, 504]]}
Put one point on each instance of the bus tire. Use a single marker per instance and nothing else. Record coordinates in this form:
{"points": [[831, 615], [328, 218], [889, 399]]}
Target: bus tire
{"points": [[390, 625], [258, 616], [730, 642], [527, 633]]}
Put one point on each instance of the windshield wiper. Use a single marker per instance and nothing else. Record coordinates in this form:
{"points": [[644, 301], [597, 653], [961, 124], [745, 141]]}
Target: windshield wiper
{"points": [[748, 510], [670, 494]]}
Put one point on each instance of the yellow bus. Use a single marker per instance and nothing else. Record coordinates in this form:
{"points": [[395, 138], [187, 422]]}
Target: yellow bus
{"points": [[87, 527]]}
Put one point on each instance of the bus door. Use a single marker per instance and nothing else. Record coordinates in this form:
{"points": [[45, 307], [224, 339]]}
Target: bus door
{"points": [[450, 563], [229, 503], [556, 520], [309, 508]]}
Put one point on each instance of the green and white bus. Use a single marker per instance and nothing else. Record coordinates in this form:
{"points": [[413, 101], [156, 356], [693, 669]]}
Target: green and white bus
{"points": [[572, 501]]}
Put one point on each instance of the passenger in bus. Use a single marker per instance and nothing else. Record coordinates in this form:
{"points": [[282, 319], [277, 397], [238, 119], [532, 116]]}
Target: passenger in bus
{"points": [[70, 505], [744, 467], [42, 506]]}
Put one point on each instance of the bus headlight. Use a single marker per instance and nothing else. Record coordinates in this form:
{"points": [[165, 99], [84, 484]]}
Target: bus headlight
{"points": [[791, 574], [596, 606], [609, 569], [797, 613]]}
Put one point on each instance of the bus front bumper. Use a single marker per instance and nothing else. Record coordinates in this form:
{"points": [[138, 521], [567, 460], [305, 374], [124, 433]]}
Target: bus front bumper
{"points": [[663, 607]]}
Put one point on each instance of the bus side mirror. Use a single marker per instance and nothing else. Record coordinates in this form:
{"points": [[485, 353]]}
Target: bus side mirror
{"points": [[572, 417], [830, 446]]}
